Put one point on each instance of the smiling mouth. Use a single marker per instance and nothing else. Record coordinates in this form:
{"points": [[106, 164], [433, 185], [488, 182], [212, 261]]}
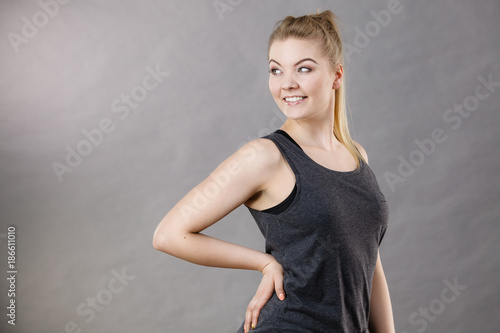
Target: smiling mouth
{"points": [[294, 99]]}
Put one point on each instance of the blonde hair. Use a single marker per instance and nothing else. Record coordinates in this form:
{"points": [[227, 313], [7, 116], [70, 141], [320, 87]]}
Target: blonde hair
{"points": [[322, 27]]}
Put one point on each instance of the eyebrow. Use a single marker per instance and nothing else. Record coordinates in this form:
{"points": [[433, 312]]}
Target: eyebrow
{"points": [[298, 62]]}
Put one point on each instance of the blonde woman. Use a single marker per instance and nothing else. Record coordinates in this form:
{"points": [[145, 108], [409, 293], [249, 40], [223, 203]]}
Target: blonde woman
{"points": [[311, 191]]}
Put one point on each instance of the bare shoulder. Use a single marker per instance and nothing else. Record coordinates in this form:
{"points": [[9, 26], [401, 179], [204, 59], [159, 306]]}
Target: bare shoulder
{"points": [[361, 150], [256, 163], [236, 179], [259, 154]]}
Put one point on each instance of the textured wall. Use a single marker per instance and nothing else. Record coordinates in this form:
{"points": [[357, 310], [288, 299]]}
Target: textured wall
{"points": [[112, 110]]}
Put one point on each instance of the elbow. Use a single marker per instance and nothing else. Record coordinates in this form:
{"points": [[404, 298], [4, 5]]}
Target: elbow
{"points": [[157, 243], [166, 239], [160, 240]]}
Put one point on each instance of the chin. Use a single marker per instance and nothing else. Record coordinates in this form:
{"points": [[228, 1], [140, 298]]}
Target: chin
{"points": [[294, 116]]}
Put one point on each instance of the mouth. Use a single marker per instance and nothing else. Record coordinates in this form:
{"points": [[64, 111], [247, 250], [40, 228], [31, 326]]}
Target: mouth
{"points": [[294, 100]]}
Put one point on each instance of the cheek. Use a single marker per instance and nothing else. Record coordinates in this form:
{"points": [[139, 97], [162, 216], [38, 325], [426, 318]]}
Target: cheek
{"points": [[319, 88], [313, 84], [274, 87]]}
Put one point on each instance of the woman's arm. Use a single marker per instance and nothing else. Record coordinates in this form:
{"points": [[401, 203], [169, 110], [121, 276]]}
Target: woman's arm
{"points": [[231, 184], [381, 318]]}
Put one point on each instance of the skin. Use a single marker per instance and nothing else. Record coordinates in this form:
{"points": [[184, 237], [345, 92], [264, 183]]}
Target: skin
{"points": [[258, 176]]}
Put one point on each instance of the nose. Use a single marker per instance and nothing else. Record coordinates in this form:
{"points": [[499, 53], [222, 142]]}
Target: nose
{"points": [[289, 82]]}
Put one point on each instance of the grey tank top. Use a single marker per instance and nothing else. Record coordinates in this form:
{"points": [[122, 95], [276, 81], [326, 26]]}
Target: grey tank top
{"points": [[326, 239]]}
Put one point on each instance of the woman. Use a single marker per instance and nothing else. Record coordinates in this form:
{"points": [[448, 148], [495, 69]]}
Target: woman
{"points": [[314, 197]]}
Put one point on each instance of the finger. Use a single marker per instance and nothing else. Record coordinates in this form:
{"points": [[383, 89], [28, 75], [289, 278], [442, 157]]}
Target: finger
{"points": [[278, 285], [258, 305], [254, 315], [248, 320], [249, 315], [253, 312], [262, 296], [255, 318]]}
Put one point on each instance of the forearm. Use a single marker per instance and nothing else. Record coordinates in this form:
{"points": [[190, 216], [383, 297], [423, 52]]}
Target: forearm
{"points": [[205, 250], [381, 317]]}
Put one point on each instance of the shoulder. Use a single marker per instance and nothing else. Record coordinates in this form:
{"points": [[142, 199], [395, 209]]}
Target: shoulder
{"points": [[259, 154], [361, 150], [257, 161]]}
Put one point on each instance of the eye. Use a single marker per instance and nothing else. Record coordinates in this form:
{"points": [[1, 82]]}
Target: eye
{"points": [[274, 71], [307, 69]]}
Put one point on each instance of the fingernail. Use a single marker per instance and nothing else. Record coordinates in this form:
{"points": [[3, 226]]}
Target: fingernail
{"points": [[253, 325], [282, 296]]}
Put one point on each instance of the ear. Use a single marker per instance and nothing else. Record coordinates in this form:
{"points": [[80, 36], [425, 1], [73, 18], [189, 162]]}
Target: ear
{"points": [[338, 75]]}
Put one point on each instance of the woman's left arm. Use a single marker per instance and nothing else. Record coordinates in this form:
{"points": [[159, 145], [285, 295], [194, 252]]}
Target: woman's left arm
{"points": [[381, 319]]}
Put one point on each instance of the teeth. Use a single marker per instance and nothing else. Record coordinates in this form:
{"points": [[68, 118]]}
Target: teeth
{"points": [[293, 99]]}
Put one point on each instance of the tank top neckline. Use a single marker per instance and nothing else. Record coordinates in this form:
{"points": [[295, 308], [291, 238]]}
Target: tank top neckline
{"points": [[355, 171]]}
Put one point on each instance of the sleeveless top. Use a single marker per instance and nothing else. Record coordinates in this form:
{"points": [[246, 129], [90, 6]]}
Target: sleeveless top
{"points": [[326, 237]]}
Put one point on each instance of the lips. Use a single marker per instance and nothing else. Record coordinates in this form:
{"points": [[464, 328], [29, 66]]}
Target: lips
{"points": [[294, 100]]}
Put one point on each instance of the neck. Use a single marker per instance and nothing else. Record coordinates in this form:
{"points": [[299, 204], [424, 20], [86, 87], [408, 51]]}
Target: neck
{"points": [[313, 132]]}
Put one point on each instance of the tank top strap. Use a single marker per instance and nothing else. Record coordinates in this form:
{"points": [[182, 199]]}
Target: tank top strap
{"points": [[290, 150], [297, 158]]}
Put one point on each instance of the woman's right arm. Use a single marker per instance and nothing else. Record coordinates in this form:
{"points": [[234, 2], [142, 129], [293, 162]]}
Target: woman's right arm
{"points": [[232, 183]]}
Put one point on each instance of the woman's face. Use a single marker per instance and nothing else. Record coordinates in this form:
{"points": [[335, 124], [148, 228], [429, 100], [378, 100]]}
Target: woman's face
{"points": [[300, 79]]}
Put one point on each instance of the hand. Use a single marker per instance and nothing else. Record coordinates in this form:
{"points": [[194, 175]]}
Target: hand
{"points": [[272, 280]]}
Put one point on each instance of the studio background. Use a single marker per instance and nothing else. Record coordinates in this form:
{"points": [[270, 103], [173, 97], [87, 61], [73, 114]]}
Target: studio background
{"points": [[197, 74]]}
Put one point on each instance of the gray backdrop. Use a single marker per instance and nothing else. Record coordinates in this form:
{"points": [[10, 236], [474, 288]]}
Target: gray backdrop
{"points": [[112, 110]]}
